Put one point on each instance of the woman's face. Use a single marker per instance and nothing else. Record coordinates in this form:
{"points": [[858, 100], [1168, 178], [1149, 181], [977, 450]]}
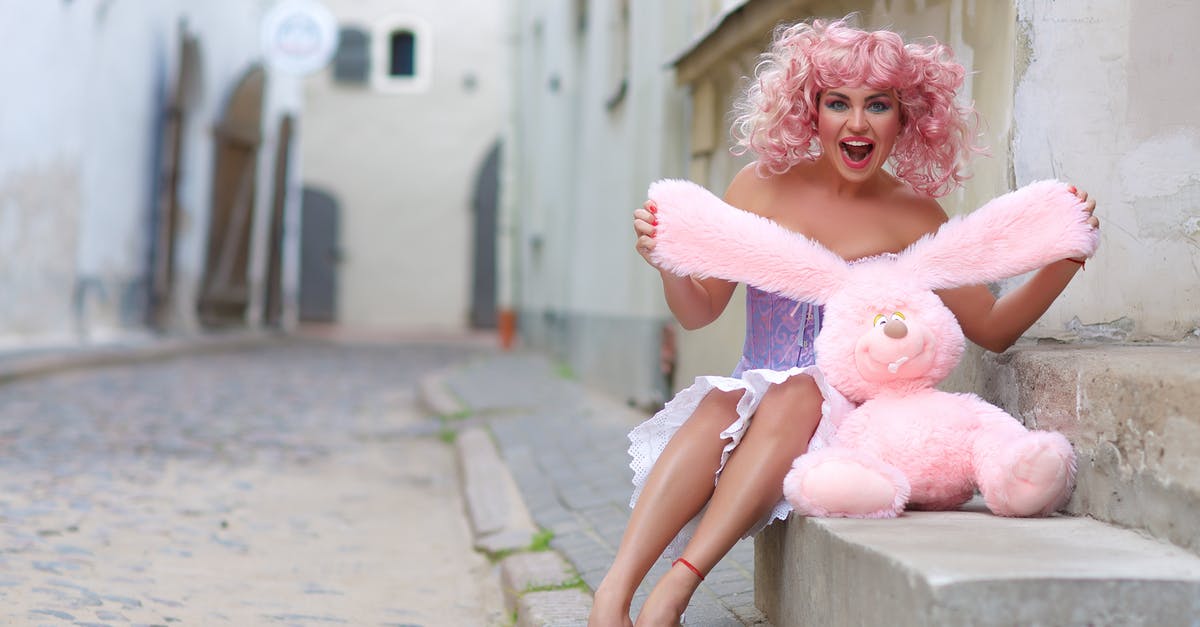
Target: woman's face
{"points": [[857, 128]]}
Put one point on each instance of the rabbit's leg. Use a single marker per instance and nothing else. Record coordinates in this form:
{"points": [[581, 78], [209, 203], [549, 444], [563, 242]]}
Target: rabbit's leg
{"points": [[1021, 472], [845, 483]]}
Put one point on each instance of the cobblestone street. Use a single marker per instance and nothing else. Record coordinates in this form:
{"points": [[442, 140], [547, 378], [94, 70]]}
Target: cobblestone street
{"points": [[293, 484]]}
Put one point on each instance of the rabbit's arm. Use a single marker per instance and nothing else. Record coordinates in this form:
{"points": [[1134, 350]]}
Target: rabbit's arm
{"points": [[699, 234], [1020, 231]]}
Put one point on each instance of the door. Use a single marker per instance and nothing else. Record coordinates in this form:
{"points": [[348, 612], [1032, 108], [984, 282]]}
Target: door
{"points": [[319, 256], [483, 289], [225, 293]]}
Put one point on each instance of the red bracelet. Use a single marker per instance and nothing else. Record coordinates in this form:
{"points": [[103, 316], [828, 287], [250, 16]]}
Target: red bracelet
{"points": [[690, 567], [1082, 262]]}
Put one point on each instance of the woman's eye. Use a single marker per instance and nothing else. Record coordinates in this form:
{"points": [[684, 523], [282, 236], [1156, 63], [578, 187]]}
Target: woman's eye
{"points": [[879, 107], [835, 105]]}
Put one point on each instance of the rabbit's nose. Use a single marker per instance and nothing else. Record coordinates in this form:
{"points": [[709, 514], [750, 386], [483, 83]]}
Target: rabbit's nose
{"points": [[895, 329]]}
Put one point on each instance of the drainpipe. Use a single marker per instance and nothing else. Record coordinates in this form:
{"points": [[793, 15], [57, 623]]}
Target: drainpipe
{"points": [[507, 279]]}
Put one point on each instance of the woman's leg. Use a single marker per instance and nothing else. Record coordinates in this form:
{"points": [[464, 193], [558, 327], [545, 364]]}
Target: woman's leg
{"points": [[679, 485], [750, 485]]}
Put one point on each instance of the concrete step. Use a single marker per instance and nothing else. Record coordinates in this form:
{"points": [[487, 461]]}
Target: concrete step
{"points": [[1133, 414], [971, 568]]}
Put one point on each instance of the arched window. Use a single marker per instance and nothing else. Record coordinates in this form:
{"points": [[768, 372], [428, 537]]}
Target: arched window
{"points": [[402, 55]]}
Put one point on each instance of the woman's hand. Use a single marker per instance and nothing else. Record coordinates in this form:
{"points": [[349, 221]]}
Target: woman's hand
{"points": [[644, 223], [1089, 206]]}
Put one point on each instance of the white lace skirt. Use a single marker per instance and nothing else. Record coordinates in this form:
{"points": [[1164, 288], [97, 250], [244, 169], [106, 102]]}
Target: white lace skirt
{"points": [[648, 439]]}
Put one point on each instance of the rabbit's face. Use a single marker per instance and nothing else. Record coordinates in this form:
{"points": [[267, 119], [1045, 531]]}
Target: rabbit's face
{"points": [[885, 334]]}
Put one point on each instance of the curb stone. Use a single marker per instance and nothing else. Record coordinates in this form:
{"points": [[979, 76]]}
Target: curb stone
{"points": [[500, 520], [521, 573], [18, 365], [435, 396]]}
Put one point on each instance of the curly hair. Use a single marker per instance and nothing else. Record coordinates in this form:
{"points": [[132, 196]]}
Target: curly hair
{"points": [[776, 116]]}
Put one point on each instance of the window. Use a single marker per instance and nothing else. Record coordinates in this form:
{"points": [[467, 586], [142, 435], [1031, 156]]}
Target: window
{"points": [[403, 52], [402, 55], [352, 63]]}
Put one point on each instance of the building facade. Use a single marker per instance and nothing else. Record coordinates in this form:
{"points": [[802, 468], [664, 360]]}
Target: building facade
{"points": [[596, 117], [402, 134], [111, 126]]}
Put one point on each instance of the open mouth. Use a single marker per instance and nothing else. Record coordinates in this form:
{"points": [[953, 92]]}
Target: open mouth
{"points": [[856, 151]]}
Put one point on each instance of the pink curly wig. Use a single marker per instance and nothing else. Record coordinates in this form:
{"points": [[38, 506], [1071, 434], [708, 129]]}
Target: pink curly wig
{"points": [[776, 117]]}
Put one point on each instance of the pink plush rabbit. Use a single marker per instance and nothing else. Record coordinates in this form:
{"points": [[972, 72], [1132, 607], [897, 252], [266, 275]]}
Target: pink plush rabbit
{"points": [[887, 339]]}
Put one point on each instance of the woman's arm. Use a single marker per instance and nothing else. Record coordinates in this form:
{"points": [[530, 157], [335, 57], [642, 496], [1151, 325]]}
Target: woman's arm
{"points": [[694, 302], [996, 324]]}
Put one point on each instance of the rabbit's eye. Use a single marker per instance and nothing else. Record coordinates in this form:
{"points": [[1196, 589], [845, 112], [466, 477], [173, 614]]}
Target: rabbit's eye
{"points": [[898, 316], [880, 319]]}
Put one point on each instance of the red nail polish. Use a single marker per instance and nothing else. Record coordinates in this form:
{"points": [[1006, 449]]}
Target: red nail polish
{"points": [[1072, 188], [653, 208]]}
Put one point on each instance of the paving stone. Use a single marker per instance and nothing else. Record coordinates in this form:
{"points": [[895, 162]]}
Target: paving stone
{"points": [[554, 608], [146, 491]]}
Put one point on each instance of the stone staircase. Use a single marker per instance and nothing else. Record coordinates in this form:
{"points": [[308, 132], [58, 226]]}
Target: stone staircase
{"points": [[1129, 553]]}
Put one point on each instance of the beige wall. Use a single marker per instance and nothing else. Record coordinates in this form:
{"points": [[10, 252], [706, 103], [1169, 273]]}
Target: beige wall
{"points": [[403, 164]]}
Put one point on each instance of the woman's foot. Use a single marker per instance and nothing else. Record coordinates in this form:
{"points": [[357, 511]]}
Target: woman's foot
{"points": [[669, 599], [609, 609]]}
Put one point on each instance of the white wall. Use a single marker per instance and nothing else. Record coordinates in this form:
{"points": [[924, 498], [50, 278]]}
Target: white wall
{"points": [[85, 82], [584, 154], [402, 165]]}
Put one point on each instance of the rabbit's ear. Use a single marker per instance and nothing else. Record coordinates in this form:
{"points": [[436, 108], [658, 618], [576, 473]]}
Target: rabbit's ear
{"points": [[1020, 231], [699, 234]]}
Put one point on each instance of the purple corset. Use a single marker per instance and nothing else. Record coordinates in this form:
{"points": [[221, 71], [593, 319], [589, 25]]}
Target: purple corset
{"points": [[779, 332]]}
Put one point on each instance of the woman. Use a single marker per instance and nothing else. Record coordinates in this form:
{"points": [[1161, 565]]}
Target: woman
{"points": [[830, 106]]}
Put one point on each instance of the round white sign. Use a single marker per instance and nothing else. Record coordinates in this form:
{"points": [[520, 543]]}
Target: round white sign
{"points": [[299, 36]]}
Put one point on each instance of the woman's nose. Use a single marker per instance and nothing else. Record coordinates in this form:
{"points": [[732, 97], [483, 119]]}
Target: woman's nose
{"points": [[858, 119]]}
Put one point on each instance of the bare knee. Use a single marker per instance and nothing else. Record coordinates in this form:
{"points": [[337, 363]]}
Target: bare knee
{"points": [[718, 408], [791, 407]]}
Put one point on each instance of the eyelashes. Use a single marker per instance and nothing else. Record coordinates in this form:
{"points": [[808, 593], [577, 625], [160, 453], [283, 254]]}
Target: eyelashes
{"points": [[875, 106]]}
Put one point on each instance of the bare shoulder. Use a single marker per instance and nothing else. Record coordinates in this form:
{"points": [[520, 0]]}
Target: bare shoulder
{"points": [[748, 190], [920, 214]]}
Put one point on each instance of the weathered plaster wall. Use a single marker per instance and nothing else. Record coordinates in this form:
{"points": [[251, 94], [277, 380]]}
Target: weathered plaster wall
{"points": [[39, 235], [403, 165], [1106, 102], [80, 126]]}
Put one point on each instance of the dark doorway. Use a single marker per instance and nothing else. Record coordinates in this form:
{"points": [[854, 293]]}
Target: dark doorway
{"points": [[487, 193], [319, 256], [165, 218]]}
